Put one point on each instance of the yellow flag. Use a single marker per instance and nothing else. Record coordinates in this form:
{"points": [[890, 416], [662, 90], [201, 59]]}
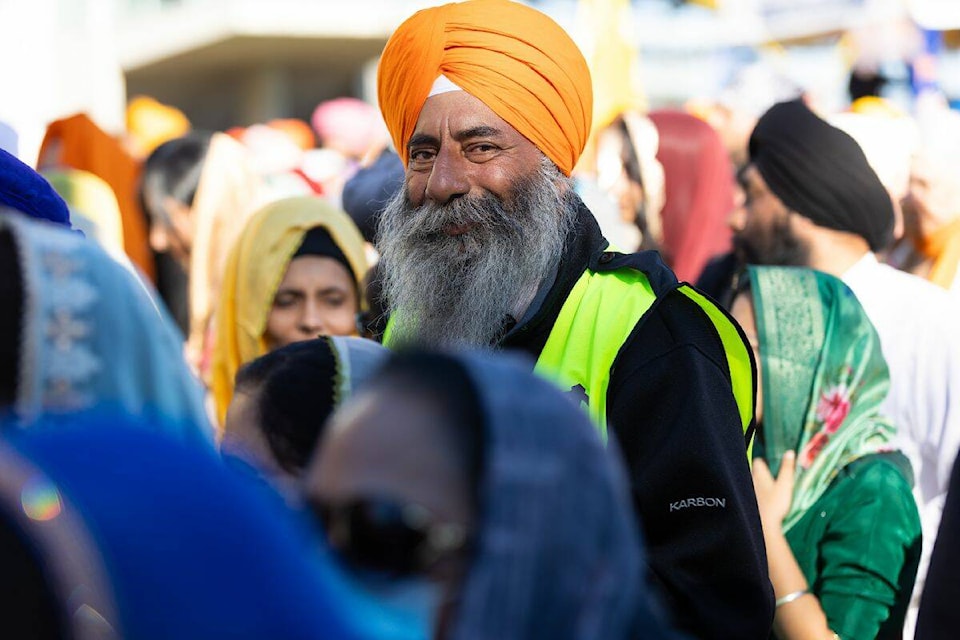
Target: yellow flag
{"points": [[610, 48]]}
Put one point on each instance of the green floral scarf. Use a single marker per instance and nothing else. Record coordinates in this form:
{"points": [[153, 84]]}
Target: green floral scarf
{"points": [[824, 377]]}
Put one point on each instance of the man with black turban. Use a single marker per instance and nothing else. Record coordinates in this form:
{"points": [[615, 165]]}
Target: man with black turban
{"points": [[812, 200]]}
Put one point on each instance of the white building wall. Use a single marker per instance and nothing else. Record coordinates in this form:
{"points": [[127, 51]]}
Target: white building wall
{"points": [[58, 57]]}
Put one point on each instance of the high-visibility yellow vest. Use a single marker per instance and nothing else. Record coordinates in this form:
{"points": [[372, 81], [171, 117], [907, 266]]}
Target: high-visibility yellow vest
{"points": [[594, 323]]}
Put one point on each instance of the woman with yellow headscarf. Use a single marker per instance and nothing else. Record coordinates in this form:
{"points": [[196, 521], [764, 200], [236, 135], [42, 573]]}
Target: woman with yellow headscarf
{"points": [[294, 273]]}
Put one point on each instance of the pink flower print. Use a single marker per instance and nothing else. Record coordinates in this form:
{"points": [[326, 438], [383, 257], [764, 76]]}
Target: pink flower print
{"points": [[833, 408], [812, 450]]}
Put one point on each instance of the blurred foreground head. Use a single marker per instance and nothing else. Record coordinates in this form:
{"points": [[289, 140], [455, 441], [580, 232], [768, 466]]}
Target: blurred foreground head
{"points": [[81, 332], [114, 530], [480, 496], [283, 400]]}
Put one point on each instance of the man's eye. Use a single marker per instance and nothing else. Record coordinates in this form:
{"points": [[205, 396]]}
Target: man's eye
{"points": [[482, 147], [421, 155]]}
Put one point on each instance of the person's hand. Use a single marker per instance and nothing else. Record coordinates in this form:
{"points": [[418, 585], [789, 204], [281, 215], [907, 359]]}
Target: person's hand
{"points": [[774, 494]]}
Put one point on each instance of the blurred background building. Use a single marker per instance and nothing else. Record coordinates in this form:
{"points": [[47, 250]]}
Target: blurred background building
{"points": [[232, 63]]}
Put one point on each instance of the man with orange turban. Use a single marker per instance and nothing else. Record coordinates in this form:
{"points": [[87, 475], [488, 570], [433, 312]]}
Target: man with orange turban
{"points": [[489, 106]]}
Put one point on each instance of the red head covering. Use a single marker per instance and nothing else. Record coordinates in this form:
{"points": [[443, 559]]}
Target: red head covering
{"points": [[699, 181], [514, 59]]}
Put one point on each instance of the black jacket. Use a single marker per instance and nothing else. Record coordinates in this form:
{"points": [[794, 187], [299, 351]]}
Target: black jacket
{"points": [[671, 409]]}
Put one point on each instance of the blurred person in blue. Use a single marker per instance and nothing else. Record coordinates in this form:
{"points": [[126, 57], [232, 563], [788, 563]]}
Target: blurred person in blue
{"points": [[113, 530], [841, 526], [283, 399], [82, 332], [468, 490]]}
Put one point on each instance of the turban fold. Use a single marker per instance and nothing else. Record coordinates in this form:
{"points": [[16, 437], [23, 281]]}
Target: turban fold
{"points": [[821, 173], [514, 59], [25, 190]]}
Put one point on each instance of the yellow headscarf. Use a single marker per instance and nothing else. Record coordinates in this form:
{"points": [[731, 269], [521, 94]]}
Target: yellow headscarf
{"points": [[150, 123], [255, 266], [514, 59], [229, 192], [93, 206]]}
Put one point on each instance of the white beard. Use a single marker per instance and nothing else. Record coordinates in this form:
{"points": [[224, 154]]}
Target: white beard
{"points": [[447, 291]]}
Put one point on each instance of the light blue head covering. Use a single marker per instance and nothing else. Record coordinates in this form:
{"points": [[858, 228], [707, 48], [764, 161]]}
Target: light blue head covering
{"points": [[559, 554], [93, 337], [190, 550], [357, 360]]}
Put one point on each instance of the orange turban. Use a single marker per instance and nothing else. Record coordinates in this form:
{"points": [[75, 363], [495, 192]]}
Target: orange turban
{"points": [[514, 59]]}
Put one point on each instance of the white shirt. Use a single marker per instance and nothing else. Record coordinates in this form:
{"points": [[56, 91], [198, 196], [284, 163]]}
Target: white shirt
{"points": [[917, 322]]}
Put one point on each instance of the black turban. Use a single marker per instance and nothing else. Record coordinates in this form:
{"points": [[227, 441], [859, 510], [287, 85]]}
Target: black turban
{"points": [[821, 173], [318, 242]]}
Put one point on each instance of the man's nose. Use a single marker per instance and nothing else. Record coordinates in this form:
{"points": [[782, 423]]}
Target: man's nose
{"points": [[737, 218], [448, 177]]}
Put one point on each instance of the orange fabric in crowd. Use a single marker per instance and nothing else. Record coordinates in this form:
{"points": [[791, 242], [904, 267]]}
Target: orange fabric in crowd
{"points": [[513, 58], [943, 247], [78, 143], [150, 123], [297, 130]]}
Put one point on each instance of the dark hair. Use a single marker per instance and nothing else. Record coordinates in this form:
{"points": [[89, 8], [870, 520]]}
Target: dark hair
{"points": [[628, 153], [29, 606], [630, 160], [445, 382], [293, 389], [11, 317], [173, 170]]}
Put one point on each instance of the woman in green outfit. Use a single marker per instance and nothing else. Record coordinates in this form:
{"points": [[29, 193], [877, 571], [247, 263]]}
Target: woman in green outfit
{"points": [[841, 527]]}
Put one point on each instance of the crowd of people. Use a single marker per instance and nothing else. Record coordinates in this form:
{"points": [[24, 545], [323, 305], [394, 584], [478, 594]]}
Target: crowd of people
{"points": [[471, 366]]}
